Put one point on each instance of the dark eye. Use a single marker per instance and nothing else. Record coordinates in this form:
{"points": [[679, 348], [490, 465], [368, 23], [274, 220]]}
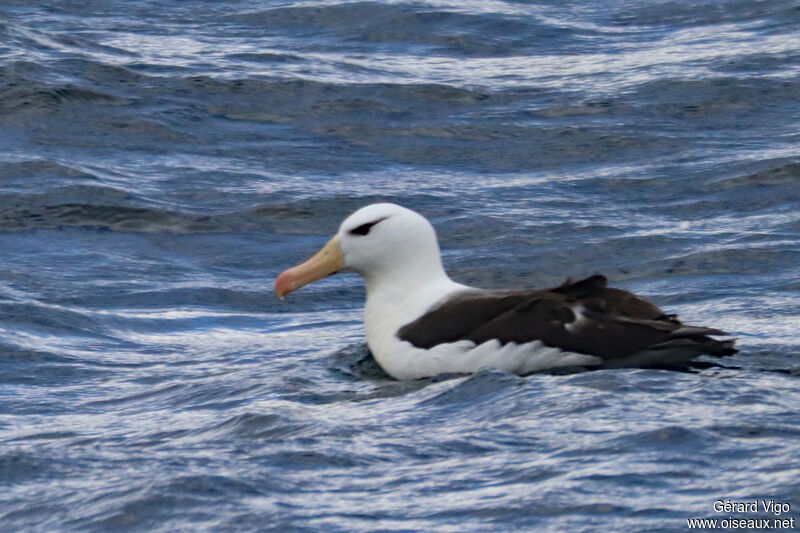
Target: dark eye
{"points": [[363, 229]]}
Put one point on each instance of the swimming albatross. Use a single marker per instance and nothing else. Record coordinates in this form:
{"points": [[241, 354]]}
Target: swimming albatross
{"points": [[420, 323]]}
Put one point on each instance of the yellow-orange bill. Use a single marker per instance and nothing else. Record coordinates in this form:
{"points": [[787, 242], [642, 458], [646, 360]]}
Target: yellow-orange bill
{"points": [[324, 263]]}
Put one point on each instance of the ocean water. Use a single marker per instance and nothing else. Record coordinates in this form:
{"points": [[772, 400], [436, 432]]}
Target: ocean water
{"points": [[162, 162]]}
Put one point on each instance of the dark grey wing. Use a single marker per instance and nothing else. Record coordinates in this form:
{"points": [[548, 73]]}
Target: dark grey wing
{"points": [[458, 317], [614, 301], [584, 317]]}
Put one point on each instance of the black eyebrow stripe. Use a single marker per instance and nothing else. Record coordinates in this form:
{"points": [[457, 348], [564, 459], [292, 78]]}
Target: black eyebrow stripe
{"points": [[363, 229]]}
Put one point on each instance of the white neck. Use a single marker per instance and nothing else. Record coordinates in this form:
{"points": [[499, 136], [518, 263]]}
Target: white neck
{"points": [[394, 301]]}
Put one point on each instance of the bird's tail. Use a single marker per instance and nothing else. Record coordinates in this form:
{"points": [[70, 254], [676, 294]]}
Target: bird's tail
{"points": [[685, 344]]}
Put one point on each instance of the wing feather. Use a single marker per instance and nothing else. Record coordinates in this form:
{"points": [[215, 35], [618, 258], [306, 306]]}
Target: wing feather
{"points": [[583, 317]]}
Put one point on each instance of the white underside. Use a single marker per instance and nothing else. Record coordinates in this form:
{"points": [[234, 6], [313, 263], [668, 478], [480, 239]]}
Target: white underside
{"points": [[402, 360]]}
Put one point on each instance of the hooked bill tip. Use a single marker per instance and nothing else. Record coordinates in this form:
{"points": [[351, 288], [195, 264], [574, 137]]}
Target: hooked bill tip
{"points": [[283, 284]]}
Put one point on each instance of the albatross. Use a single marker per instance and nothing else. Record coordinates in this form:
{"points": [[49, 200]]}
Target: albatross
{"points": [[420, 323]]}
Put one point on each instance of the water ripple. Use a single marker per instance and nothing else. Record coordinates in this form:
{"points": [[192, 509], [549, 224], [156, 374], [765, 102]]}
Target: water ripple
{"points": [[163, 162]]}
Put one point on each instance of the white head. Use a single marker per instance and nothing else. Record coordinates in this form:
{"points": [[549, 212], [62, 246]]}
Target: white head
{"points": [[379, 241]]}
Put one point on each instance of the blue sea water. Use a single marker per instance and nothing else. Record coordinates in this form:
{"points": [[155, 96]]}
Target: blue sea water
{"points": [[162, 162]]}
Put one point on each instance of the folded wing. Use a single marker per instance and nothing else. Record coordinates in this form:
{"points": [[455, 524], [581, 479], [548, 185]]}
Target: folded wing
{"points": [[584, 317]]}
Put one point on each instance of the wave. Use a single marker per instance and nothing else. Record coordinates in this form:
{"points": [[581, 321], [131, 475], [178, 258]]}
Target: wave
{"points": [[109, 217], [497, 30], [782, 174], [674, 12], [40, 170], [89, 205], [20, 94]]}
